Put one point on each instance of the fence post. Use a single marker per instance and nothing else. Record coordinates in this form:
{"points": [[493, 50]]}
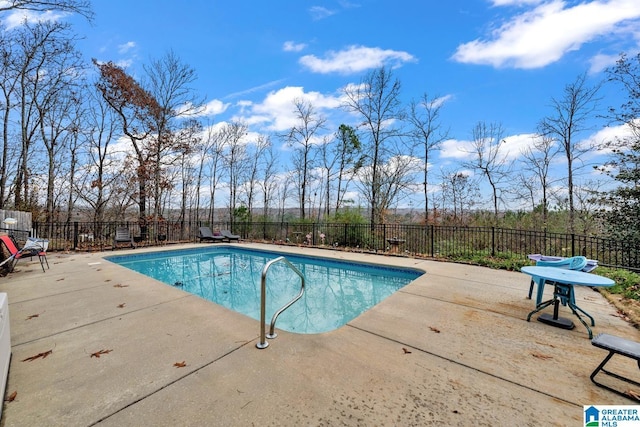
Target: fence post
{"points": [[384, 236], [75, 235], [493, 241], [433, 243], [344, 228], [573, 244], [313, 234]]}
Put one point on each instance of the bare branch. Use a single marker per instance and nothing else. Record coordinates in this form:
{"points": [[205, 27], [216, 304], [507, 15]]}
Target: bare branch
{"points": [[80, 7]]}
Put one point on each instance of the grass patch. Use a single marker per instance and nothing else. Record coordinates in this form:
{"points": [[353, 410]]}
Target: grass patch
{"points": [[627, 282], [500, 261]]}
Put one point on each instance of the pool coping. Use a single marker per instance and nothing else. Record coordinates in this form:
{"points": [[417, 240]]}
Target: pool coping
{"points": [[275, 249], [451, 347]]}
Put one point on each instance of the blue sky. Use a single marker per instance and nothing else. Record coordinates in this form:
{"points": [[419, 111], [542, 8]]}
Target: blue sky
{"points": [[496, 61]]}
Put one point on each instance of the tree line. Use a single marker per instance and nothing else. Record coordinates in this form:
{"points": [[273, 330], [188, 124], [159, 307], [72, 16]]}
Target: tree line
{"points": [[88, 136]]}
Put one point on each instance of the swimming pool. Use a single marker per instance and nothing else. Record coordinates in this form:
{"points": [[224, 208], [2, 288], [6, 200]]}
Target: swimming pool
{"points": [[335, 291]]}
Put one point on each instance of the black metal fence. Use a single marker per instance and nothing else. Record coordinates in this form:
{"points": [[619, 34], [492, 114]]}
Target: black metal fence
{"points": [[99, 236], [417, 240]]}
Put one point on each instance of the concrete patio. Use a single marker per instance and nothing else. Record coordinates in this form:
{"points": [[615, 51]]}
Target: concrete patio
{"points": [[451, 348]]}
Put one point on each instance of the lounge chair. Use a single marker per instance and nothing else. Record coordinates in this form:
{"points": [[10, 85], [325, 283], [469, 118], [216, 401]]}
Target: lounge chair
{"points": [[206, 235], [33, 247], [123, 235], [229, 236]]}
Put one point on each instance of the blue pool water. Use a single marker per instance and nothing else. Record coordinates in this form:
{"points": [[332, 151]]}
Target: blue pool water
{"points": [[335, 291]]}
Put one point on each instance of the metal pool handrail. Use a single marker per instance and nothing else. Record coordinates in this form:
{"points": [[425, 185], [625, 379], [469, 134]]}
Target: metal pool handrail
{"points": [[263, 298]]}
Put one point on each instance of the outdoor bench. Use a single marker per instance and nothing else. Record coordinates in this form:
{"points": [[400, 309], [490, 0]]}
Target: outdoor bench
{"points": [[623, 347]]}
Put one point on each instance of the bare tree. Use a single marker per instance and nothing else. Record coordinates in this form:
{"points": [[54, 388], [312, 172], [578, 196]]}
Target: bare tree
{"points": [[460, 191], [396, 180], [303, 137], [586, 196], [210, 167], [489, 159], [571, 115], [9, 72], [525, 187], [37, 48], [283, 194], [189, 139], [99, 171], [376, 100], [56, 101], [149, 120], [537, 161], [123, 190], [81, 7], [40, 67], [347, 153], [234, 157], [76, 140], [328, 161], [268, 182], [136, 109], [169, 83], [256, 160], [427, 132]]}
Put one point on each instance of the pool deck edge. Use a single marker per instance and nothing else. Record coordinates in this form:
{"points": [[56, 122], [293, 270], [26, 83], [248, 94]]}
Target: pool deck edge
{"points": [[452, 347]]}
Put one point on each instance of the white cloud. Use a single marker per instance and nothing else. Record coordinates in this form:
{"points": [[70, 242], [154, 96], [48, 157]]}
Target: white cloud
{"points": [[121, 148], [290, 46], [214, 107], [276, 111], [544, 34], [354, 87], [17, 18], [211, 108], [355, 59], [126, 47], [352, 197], [348, 5], [124, 63], [214, 128], [515, 2], [510, 149], [442, 100], [601, 62], [249, 137], [319, 12], [607, 135], [456, 149], [514, 145]]}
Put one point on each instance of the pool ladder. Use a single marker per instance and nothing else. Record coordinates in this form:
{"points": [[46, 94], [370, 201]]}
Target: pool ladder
{"points": [[263, 297]]}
